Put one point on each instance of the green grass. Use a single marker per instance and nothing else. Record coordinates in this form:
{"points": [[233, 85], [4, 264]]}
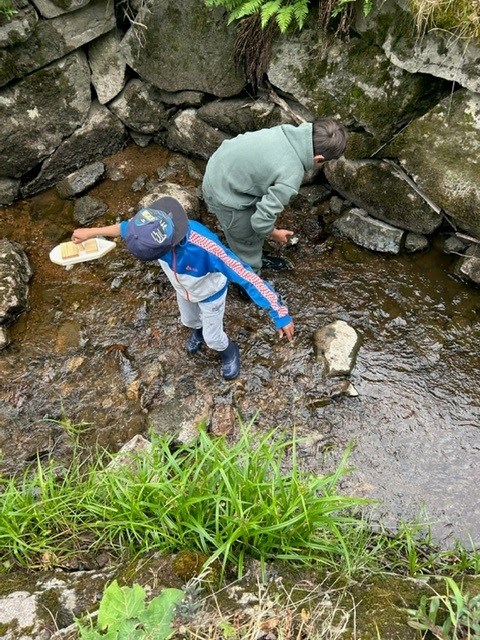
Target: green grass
{"points": [[229, 501]]}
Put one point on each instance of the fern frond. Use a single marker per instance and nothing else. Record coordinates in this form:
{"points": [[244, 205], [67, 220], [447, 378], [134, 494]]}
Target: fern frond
{"points": [[300, 10], [246, 8], [269, 9], [284, 17]]}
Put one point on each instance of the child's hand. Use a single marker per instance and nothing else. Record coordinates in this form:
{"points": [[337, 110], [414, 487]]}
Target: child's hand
{"points": [[287, 331], [281, 235], [82, 234]]}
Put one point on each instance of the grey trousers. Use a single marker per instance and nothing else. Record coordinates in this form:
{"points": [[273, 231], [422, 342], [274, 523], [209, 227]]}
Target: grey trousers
{"points": [[236, 225], [209, 317]]}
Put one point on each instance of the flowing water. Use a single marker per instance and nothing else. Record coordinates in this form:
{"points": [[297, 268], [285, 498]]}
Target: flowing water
{"points": [[102, 347]]}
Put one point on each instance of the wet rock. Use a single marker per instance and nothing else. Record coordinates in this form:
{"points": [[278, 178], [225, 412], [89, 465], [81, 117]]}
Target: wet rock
{"points": [[88, 208], [188, 198], [188, 134], [415, 242], [378, 188], [445, 171], [140, 139], [139, 183], [468, 268], [455, 244], [337, 205], [223, 420], [337, 345], [128, 454], [81, 180], [15, 272], [4, 339], [311, 195], [8, 190], [139, 107], [241, 115], [368, 232], [177, 167], [107, 65]]}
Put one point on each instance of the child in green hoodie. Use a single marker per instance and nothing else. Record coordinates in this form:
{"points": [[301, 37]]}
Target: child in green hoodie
{"points": [[252, 177]]}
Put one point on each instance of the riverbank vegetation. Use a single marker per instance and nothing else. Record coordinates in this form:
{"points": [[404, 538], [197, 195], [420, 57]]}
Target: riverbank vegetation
{"points": [[460, 17], [249, 498], [231, 502]]}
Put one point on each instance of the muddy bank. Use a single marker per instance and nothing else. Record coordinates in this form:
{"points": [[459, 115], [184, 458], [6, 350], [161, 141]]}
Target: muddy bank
{"points": [[102, 346]]}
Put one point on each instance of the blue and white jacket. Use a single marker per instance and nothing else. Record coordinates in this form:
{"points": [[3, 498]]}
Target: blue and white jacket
{"points": [[200, 268]]}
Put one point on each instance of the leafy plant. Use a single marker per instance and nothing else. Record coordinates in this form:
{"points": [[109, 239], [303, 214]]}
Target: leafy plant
{"points": [[7, 9], [286, 13], [452, 616], [124, 615]]}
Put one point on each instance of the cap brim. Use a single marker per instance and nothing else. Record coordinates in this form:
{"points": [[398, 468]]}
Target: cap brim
{"points": [[177, 213]]}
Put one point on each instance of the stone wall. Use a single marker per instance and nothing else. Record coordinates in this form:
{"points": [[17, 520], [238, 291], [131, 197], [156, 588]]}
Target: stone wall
{"points": [[80, 78]]}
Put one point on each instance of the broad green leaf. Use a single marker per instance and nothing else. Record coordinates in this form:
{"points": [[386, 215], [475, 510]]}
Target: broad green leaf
{"points": [[119, 604], [159, 614]]}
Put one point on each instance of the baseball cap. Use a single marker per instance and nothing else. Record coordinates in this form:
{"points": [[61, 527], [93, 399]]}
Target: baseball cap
{"points": [[154, 230]]}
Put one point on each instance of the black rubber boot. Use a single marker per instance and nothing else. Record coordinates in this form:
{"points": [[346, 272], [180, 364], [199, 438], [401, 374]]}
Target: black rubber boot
{"points": [[230, 361], [274, 263], [195, 341]]}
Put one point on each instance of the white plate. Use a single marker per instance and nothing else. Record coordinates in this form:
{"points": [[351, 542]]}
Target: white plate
{"points": [[104, 246]]}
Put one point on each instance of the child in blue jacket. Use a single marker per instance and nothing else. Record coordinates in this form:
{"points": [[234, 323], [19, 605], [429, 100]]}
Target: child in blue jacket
{"points": [[200, 268]]}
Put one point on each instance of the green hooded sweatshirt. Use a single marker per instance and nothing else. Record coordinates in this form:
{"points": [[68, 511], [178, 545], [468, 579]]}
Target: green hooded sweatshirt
{"points": [[260, 170]]}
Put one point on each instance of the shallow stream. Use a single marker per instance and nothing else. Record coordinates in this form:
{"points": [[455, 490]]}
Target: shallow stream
{"points": [[102, 346]]}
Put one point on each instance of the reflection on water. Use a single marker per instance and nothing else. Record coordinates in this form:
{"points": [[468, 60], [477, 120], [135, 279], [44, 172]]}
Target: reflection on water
{"points": [[102, 344]]}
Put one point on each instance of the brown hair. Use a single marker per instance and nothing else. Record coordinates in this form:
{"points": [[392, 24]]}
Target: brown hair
{"points": [[329, 138]]}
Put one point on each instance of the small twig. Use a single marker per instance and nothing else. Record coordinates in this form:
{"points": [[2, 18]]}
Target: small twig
{"points": [[275, 98]]}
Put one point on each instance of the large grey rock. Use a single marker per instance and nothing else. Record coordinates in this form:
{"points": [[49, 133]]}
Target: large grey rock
{"points": [[53, 8], [108, 65], [354, 82], [239, 115], [101, 135], [38, 112], [8, 190], [436, 52], [188, 134], [368, 232], [376, 187], [188, 197], [15, 272], [20, 26], [184, 46], [81, 180], [440, 151], [53, 39], [337, 346], [87, 209], [139, 107]]}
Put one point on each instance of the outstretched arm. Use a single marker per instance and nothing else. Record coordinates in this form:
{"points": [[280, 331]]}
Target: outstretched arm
{"points": [[85, 233]]}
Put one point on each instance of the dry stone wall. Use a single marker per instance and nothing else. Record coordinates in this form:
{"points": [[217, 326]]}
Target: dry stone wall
{"points": [[79, 78]]}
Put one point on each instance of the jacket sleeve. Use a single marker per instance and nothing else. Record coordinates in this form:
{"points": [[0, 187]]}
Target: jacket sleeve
{"points": [[224, 261], [268, 208]]}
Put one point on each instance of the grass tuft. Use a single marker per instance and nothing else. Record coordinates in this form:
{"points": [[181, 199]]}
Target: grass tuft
{"points": [[460, 17]]}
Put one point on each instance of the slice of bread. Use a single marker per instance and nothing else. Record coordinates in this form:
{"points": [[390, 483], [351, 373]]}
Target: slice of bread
{"points": [[69, 250], [90, 245]]}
